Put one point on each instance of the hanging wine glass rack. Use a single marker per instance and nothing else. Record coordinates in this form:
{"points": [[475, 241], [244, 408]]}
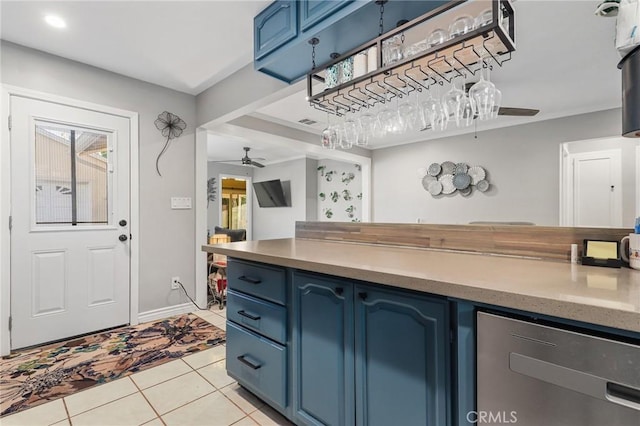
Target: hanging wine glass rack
{"points": [[493, 42]]}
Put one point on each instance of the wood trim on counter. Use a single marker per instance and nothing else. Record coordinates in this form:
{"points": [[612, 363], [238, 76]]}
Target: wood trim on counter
{"points": [[540, 242]]}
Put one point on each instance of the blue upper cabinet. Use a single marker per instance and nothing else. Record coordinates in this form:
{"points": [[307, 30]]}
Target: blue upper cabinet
{"points": [[274, 26], [314, 11], [282, 33], [401, 359]]}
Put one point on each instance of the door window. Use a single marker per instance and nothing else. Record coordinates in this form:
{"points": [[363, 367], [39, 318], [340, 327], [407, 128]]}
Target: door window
{"points": [[72, 175]]}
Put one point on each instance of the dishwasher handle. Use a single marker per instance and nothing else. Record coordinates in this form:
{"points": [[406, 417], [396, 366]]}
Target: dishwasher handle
{"points": [[623, 395], [575, 380]]}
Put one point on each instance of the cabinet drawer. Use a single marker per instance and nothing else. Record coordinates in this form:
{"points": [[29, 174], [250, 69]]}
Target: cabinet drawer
{"points": [[258, 364], [262, 317], [265, 282], [274, 26]]}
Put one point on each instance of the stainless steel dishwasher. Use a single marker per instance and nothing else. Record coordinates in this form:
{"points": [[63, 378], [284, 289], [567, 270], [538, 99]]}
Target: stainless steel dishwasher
{"points": [[536, 375]]}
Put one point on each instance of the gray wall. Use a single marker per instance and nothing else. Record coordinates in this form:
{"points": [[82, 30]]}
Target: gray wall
{"points": [[214, 170], [522, 164], [166, 236], [311, 189], [279, 222]]}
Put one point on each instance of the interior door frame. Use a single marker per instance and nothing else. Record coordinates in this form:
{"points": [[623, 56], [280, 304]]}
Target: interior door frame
{"points": [[249, 192], [566, 190], [5, 200]]}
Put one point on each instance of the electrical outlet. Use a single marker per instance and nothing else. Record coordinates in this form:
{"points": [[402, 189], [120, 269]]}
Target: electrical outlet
{"points": [[174, 283]]}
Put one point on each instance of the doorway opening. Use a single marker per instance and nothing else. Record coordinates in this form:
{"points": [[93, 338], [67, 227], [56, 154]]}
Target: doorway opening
{"points": [[235, 203]]}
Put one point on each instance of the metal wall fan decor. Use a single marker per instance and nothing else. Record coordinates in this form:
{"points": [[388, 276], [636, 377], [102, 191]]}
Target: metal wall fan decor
{"points": [[171, 126], [245, 161]]}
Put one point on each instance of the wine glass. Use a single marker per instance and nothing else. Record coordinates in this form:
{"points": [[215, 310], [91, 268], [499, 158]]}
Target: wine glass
{"points": [[329, 136], [451, 102], [367, 121], [408, 114], [349, 134], [483, 94], [433, 116]]}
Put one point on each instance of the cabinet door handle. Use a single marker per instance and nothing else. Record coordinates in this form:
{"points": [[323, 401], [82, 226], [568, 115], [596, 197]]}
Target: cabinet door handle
{"points": [[273, 12], [250, 280], [243, 360], [363, 295], [339, 291], [246, 315]]}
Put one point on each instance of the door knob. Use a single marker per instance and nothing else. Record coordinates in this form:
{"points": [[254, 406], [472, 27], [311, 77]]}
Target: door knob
{"points": [[122, 223], [123, 237]]}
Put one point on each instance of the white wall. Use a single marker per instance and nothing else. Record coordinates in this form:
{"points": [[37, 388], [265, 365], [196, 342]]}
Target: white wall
{"points": [[279, 222], [166, 237], [215, 170], [522, 164]]}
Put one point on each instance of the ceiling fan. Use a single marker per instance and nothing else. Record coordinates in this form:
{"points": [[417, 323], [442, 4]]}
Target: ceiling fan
{"points": [[246, 161]]}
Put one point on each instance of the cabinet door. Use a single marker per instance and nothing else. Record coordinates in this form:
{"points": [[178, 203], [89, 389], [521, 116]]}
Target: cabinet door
{"points": [[314, 11], [401, 359], [274, 26], [323, 350]]}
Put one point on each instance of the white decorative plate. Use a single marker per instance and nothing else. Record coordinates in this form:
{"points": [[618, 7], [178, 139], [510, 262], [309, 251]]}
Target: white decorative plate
{"points": [[482, 185], [447, 184], [434, 169], [435, 188], [448, 168], [427, 180], [477, 173], [461, 168]]}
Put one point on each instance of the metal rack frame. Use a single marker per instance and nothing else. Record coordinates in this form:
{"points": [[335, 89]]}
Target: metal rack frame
{"points": [[436, 65]]}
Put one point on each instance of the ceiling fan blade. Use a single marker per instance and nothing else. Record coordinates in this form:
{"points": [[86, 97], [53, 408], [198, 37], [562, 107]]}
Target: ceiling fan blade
{"points": [[255, 163], [518, 112]]}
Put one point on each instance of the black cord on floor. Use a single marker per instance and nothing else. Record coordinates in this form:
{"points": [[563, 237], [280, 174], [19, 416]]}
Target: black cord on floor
{"points": [[192, 301]]}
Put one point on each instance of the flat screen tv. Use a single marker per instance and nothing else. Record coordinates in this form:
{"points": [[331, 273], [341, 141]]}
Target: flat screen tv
{"points": [[270, 193]]}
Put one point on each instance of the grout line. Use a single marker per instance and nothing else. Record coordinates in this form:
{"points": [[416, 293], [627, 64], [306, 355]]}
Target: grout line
{"points": [[64, 403], [148, 402], [164, 381], [101, 405], [235, 423], [194, 400]]}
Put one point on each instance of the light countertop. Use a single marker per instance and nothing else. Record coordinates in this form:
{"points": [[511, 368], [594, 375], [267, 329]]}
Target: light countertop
{"points": [[597, 295]]}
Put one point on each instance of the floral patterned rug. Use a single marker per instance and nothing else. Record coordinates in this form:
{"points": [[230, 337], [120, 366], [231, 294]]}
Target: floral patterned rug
{"points": [[38, 375]]}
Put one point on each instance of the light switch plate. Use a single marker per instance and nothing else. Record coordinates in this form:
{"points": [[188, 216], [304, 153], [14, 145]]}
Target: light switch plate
{"points": [[178, 203]]}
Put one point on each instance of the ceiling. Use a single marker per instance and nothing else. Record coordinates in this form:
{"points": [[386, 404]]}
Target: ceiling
{"points": [[183, 45], [565, 62]]}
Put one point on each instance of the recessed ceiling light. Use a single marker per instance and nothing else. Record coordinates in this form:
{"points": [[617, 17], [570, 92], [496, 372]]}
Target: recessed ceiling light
{"points": [[55, 21]]}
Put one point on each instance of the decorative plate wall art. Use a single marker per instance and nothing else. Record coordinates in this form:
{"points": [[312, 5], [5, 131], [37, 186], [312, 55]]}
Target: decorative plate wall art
{"points": [[453, 178]]}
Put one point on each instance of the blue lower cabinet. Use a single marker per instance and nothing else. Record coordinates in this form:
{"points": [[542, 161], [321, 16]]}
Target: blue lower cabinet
{"points": [[401, 359], [322, 344], [258, 364]]}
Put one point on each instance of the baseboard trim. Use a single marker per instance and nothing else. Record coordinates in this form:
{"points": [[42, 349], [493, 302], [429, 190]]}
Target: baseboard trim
{"points": [[168, 311]]}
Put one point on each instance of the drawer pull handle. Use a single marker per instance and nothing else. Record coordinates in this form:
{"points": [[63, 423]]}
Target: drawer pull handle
{"points": [[243, 360], [250, 280], [363, 295], [246, 315]]}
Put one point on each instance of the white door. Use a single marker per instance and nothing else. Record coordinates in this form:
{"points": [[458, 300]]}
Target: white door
{"points": [[70, 254], [597, 191]]}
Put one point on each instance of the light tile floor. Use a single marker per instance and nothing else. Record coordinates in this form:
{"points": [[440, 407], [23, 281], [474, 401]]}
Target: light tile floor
{"points": [[193, 390]]}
